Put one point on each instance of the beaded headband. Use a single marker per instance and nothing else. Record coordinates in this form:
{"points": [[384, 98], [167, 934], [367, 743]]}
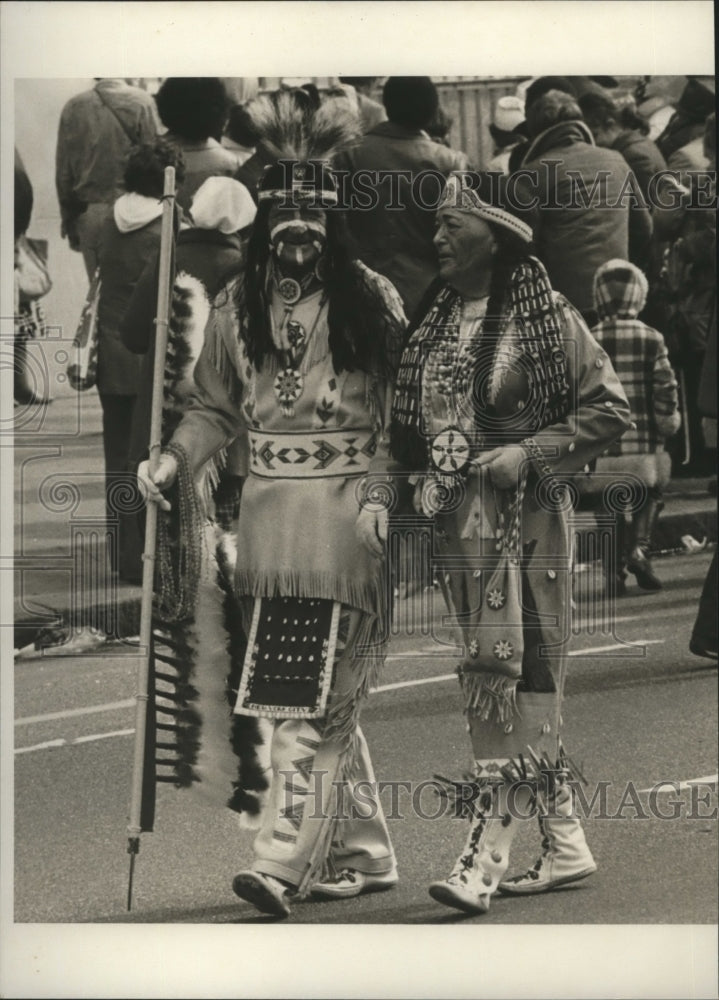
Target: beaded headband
{"points": [[465, 199]]}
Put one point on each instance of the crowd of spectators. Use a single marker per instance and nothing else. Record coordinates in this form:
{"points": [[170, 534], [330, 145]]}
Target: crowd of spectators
{"points": [[607, 175]]}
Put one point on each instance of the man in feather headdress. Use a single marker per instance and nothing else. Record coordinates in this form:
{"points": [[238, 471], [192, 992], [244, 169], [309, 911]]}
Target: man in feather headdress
{"points": [[298, 361]]}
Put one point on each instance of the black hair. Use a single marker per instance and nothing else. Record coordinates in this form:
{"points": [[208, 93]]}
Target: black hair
{"points": [[145, 168], [193, 107], [411, 101], [511, 251], [240, 127], [542, 85], [599, 109], [361, 334], [440, 126]]}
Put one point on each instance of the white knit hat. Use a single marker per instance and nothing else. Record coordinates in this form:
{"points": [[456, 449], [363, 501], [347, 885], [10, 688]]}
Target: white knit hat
{"points": [[222, 203], [508, 113]]}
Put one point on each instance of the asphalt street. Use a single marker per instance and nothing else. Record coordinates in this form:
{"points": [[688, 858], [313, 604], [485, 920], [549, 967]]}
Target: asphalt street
{"points": [[639, 710]]}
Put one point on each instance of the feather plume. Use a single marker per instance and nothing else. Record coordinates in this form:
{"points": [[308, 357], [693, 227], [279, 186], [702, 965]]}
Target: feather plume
{"points": [[288, 132]]}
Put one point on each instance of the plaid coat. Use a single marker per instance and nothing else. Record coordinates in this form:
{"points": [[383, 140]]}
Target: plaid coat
{"points": [[640, 359], [639, 356]]}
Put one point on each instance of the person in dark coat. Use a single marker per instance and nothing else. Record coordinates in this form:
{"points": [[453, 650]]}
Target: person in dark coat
{"points": [[23, 198], [704, 634], [131, 237], [208, 254], [536, 89], [689, 284], [580, 215], [398, 243], [627, 132], [696, 103]]}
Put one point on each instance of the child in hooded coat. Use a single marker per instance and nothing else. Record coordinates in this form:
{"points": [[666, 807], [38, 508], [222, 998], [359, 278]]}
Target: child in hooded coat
{"points": [[640, 358]]}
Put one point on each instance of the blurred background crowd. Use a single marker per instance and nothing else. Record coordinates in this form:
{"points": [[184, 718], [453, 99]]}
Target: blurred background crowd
{"points": [[89, 163]]}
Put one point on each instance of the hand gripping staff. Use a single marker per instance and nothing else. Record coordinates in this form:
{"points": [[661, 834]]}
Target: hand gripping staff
{"points": [[148, 571]]}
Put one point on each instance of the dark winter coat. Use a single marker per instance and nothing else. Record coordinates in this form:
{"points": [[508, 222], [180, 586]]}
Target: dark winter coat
{"points": [[399, 243], [574, 236], [207, 255], [122, 261], [642, 155]]}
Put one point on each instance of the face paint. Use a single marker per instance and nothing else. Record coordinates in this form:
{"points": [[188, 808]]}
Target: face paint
{"points": [[298, 242], [298, 228]]}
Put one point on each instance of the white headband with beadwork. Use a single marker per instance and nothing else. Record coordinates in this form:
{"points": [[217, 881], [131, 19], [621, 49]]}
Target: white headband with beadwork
{"points": [[459, 196]]}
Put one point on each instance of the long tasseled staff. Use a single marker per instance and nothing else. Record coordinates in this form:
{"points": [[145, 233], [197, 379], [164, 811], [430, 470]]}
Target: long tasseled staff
{"points": [[148, 572]]}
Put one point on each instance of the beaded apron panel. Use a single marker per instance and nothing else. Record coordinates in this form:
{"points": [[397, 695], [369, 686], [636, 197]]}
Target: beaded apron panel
{"points": [[290, 655]]}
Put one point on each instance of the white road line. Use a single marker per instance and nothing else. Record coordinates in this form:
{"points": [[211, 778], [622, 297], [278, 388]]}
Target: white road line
{"points": [[681, 786], [51, 744], [412, 654], [616, 645], [113, 706], [422, 680], [72, 712], [429, 651], [581, 622]]}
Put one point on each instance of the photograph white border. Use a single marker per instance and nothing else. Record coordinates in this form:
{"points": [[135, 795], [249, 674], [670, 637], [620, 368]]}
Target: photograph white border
{"points": [[50, 40]]}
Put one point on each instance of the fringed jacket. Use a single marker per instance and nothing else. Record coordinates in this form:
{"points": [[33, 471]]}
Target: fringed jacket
{"points": [[598, 413], [311, 435]]}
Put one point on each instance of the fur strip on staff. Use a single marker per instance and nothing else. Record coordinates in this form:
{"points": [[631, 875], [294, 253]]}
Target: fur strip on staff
{"points": [[217, 756], [220, 757]]}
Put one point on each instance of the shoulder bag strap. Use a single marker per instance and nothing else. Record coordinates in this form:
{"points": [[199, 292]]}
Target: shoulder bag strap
{"points": [[133, 138]]}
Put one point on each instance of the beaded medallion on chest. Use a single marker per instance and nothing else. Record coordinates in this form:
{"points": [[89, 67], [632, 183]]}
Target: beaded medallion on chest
{"points": [[292, 339]]}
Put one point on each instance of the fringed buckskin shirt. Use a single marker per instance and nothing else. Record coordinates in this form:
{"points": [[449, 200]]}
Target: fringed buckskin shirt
{"points": [[296, 531]]}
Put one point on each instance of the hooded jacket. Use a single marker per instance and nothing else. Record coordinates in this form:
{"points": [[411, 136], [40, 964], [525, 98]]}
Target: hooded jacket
{"points": [[131, 237], [580, 195], [639, 356]]}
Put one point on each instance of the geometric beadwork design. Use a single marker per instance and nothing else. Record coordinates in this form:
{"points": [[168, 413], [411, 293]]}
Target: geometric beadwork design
{"points": [[304, 456]]}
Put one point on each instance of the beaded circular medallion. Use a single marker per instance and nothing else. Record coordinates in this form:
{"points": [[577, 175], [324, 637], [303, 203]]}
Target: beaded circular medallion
{"points": [[450, 450], [288, 386], [290, 290]]}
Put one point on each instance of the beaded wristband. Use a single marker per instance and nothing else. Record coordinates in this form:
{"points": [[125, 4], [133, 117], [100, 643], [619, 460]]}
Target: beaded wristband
{"points": [[532, 448]]}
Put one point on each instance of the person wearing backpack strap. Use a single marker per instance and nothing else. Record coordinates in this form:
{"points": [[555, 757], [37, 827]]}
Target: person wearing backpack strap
{"points": [[97, 130]]}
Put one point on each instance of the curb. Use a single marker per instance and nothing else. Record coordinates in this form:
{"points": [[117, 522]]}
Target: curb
{"points": [[121, 619]]}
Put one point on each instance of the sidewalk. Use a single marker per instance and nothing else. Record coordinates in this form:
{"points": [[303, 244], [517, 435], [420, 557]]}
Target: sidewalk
{"points": [[60, 569]]}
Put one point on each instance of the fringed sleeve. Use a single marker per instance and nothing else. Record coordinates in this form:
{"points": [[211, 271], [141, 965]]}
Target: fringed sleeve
{"points": [[380, 386], [213, 418]]}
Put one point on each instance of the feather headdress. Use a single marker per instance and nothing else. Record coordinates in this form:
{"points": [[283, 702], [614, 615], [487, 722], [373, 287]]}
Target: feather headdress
{"points": [[302, 144]]}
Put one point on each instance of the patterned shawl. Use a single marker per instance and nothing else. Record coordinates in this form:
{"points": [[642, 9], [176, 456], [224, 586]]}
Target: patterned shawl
{"points": [[530, 308]]}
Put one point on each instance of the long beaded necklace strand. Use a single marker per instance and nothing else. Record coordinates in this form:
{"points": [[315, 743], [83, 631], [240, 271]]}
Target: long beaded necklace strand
{"points": [[449, 374], [289, 383]]}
